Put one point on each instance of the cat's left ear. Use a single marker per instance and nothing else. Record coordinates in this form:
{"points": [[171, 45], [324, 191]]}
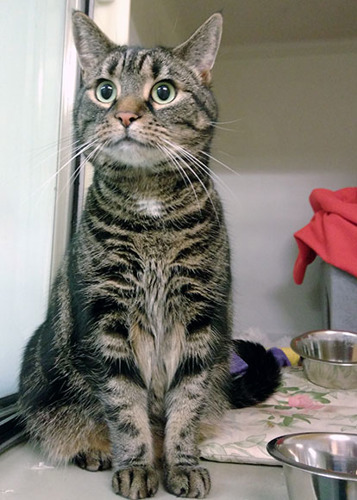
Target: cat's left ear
{"points": [[91, 43], [200, 50]]}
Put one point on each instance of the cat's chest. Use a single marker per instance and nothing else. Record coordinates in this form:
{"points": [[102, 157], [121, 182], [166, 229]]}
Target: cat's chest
{"points": [[158, 308], [157, 335], [152, 293], [151, 207], [149, 273]]}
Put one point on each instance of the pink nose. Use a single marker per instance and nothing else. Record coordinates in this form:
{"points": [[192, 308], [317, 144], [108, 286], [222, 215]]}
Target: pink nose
{"points": [[126, 118]]}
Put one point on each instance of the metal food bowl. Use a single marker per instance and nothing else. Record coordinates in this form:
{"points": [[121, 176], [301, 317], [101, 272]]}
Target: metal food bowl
{"points": [[318, 465], [329, 357]]}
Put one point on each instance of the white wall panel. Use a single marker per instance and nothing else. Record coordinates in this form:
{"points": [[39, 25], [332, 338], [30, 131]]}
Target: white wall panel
{"points": [[31, 33]]}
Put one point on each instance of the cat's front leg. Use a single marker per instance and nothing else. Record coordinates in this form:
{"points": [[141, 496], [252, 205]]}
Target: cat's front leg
{"points": [[183, 475], [125, 403]]}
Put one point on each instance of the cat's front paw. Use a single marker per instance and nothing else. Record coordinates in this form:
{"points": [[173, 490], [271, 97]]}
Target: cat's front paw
{"points": [[136, 482], [187, 481]]}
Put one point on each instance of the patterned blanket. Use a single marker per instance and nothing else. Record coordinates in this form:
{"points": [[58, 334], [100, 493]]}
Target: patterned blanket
{"points": [[297, 406]]}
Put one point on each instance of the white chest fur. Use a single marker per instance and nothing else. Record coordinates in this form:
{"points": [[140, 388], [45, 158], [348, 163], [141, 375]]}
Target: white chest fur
{"points": [[159, 346], [149, 206]]}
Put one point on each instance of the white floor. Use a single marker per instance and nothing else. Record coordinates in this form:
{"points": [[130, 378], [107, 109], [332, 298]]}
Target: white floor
{"points": [[24, 475]]}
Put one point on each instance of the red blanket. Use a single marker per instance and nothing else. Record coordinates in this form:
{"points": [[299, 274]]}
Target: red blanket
{"points": [[331, 233]]}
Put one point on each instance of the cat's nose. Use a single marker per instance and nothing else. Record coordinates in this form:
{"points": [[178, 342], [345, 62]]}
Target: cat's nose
{"points": [[126, 118]]}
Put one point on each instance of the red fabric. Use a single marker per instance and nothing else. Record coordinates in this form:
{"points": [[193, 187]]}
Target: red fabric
{"points": [[331, 233]]}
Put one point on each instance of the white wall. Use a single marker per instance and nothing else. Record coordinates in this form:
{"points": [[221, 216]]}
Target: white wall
{"points": [[293, 110], [31, 33], [113, 17]]}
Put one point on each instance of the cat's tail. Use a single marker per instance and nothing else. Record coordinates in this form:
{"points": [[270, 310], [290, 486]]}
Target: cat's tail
{"points": [[258, 379]]}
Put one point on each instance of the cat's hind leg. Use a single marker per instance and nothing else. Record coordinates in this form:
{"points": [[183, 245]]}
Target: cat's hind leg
{"points": [[71, 434], [58, 408], [93, 460]]}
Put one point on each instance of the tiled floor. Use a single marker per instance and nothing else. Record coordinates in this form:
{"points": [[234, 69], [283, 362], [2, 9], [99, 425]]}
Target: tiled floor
{"points": [[24, 475]]}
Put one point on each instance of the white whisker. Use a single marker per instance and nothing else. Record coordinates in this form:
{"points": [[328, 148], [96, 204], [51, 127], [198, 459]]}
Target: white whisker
{"points": [[226, 129], [220, 162], [78, 151], [53, 144], [54, 149], [226, 122], [182, 172], [202, 166], [77, 171], [192, 170], [218, 125]]}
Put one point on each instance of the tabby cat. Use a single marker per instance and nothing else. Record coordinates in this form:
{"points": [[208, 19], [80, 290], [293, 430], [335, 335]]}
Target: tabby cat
{"points": [[134, 353]]}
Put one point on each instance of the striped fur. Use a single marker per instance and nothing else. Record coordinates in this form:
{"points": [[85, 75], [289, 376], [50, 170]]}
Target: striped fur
{"points": [[134, 352]]}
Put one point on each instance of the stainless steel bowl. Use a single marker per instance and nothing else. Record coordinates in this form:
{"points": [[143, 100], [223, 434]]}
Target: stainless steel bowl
{"points": [[318, 465], [329, 357]]}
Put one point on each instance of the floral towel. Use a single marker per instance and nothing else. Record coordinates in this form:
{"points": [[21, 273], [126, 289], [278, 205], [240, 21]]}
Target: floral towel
{"points": [[297, 406]]}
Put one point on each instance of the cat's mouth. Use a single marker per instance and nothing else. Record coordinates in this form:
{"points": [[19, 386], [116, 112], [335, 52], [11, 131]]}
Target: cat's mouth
{"points": [[129, 151], [125, 142]]}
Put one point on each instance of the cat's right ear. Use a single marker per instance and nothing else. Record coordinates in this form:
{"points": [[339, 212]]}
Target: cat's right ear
{"points": [[91, 43], [200, 50]]}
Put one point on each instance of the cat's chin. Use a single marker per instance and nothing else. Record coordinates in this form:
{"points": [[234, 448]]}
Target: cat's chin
{"points": [[134, 154]]}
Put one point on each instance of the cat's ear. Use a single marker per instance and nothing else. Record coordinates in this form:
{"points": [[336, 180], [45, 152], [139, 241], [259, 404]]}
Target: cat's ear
{"points": [[91, 43], [200, 50]]}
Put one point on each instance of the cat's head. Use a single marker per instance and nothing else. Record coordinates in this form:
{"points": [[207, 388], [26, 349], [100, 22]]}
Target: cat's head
{"points": [[145, 107]]}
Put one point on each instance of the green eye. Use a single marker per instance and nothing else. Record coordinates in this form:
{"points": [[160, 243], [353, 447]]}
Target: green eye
{"points": [[163, 92], [106, 91]]}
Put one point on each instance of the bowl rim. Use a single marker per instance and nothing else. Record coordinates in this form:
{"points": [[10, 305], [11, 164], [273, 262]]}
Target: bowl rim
{"points": [[276, 453], [294, 346]]}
